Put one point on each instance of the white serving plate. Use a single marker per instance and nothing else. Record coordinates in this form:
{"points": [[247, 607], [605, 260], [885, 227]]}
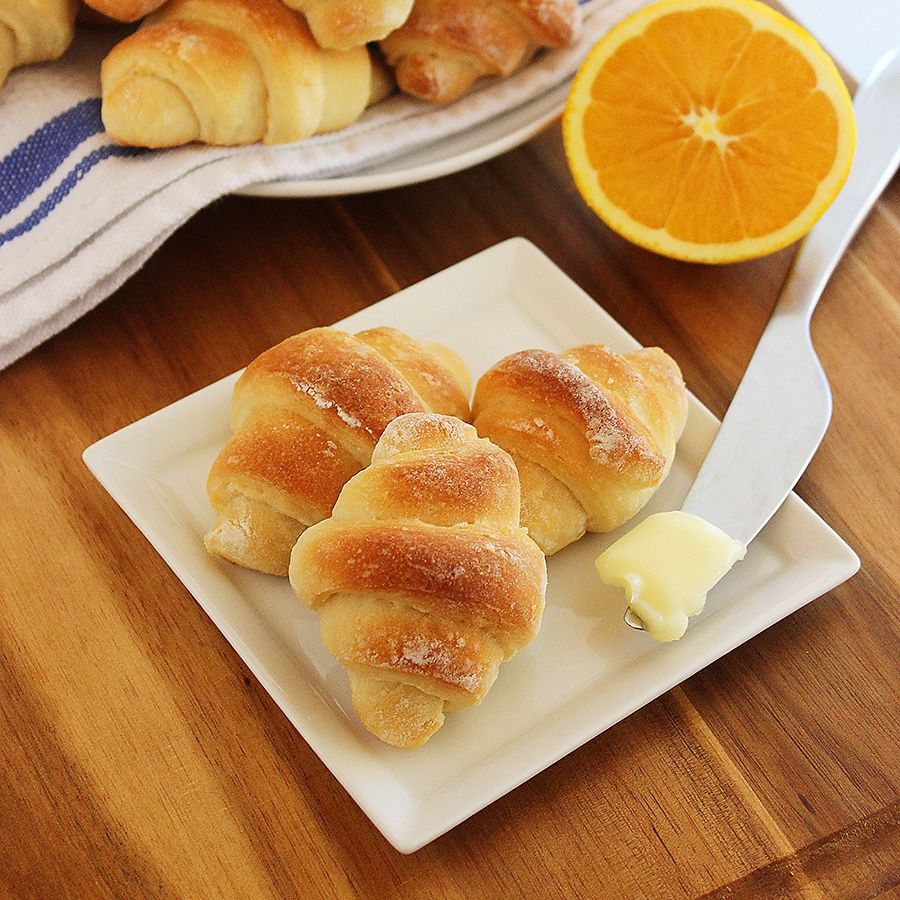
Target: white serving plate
{"points": [[451, 154], [585, 671]]}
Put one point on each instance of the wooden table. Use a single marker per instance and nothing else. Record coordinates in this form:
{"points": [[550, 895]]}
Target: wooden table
{"points": [[140, 757]]}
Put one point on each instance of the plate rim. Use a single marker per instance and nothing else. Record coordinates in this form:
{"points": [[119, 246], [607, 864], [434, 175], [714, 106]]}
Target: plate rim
{"points": [[484, 142]]}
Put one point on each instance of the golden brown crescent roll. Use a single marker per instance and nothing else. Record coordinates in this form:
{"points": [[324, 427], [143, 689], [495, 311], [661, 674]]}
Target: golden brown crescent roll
{"points": [[341, 24], [423, 580], [124, 10], [592, 432], [33, 31], [306, 416], [446, 45], [231, 72]]}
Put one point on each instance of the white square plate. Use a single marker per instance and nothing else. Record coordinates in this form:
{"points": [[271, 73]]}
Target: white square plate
{"points": [[585, 670]]}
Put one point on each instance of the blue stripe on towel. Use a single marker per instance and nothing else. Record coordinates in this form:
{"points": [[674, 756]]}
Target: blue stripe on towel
{"points": [[30, 164], [49, 203], [39, 157]]}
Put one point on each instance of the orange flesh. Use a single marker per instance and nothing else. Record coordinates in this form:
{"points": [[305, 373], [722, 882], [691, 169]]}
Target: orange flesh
{"points": [[721, 146]]}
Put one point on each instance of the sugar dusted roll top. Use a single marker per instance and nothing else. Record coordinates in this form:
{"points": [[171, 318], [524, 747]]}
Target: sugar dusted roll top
{"points": [[592, 432], [423, 579], [306, 416]]}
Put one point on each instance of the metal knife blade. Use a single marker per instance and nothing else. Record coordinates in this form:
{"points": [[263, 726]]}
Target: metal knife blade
{"points": [[782, 407]]}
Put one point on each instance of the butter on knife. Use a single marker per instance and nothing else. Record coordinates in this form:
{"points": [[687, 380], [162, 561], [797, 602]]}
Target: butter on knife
{"points": [[667, 565]]}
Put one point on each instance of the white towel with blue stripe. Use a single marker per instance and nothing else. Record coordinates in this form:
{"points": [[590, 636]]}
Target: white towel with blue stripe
{"points": [[79, 214]]}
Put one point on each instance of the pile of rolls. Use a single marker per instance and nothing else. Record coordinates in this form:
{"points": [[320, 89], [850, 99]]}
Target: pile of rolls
{"points": [[232, 72], [414, 515]]}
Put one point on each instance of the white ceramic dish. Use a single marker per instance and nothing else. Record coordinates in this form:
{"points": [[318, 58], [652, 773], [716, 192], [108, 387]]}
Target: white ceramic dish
{"points": [[452, 154], [586, 669]]}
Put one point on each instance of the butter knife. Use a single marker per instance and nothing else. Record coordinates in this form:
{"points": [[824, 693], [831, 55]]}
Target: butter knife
{"points": [[782, 407]]}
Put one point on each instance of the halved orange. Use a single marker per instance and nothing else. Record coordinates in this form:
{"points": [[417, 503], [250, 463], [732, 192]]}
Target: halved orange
{"points": [[709, 130]]}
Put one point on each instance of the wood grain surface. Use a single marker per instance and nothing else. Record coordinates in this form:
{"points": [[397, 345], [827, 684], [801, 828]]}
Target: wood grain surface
{"points": [[139, 758]]}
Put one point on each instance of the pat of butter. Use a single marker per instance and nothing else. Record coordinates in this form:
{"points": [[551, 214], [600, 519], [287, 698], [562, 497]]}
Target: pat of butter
{"points": [[667, 565]]}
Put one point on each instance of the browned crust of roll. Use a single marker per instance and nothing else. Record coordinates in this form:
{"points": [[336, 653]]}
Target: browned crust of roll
{"points": [[341, 383], [299, 469], [466, 573], [603, 425], [423, 579], [446, 45], [306, 416]]}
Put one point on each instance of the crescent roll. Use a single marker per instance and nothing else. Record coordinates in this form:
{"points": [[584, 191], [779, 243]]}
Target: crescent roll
{"points": [[423, 580], [445, 46], [33, 31], [229, 72], [306, 416], [341, 24], [592, 433]]}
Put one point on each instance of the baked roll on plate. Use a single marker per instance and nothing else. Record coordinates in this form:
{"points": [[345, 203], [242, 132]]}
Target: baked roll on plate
{"points": [[592, 432], [423, 579], [306, 416]]}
